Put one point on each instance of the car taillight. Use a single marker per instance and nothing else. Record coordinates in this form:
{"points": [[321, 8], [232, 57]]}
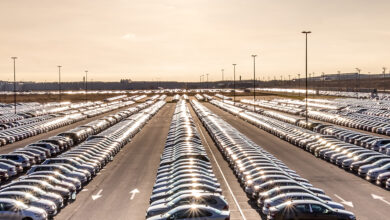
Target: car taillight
{"points": [[227, 218], [226, 207]]}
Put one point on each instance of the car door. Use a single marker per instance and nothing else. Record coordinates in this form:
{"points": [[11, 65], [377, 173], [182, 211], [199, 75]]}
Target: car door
{"points": [[8, 211], [321, 212], [301, 212]]}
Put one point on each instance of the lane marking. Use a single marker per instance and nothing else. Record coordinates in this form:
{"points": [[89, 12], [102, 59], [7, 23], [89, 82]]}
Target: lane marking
{"points": [[380, 198], [348, 203], [223, 176], [133, 192], [84, 190], [98, 195]]}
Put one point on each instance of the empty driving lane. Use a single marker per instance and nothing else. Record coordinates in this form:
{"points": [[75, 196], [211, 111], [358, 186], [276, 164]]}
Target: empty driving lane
{"points": [[18, 144], [122, 190], [337, 183], [240, 206]]}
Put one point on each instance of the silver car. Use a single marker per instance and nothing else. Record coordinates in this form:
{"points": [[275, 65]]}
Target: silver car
{"points": [[193, 212], [209, 199], [30, 200], [14, 210]]}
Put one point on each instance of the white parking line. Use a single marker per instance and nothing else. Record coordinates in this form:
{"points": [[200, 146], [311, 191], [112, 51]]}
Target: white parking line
{"points": [[224, 178]]}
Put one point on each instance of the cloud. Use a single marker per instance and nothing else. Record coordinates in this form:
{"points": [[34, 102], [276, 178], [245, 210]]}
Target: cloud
{"points": [[129, 36]]}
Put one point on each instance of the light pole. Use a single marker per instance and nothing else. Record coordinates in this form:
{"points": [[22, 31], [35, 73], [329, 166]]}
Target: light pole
{"points": [[323, 81], [306, 33], [14, 58], [200, 81], [384, 84], [86, 85], [357, 84], [234, 83], [59, 83], [222, 74], [254, 82]]}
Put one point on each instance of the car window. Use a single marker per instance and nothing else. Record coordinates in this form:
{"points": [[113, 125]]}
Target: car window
{"points": [[303, 208], [318, 208], [211, 201], [6, 207], [183, 202], [181, 214]]}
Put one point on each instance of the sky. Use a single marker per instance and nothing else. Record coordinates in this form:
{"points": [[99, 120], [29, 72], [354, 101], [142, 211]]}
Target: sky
{"points": [[180, 40]]}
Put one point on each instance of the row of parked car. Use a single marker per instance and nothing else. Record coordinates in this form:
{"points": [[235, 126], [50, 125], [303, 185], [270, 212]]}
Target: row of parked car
{"points": [[342, 114], [273, 105], [199, 97], [277, 188], [353, 120], [223, 97], [55, 121], [186, 187], [365, 140], [29, 109], [362, 95], [372, 142], [25, 121], [47, 187], [335, 112], [371, 165]]}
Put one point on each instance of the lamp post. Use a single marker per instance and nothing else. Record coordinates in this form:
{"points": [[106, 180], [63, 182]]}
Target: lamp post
{"points": [[86, 85], [222, 74], [384, 84], [357, 84], [14, 58], [306, 33], [59, 83], [254, 82], [234, 83]]}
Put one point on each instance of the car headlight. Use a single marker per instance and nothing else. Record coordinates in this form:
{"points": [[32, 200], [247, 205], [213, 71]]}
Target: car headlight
{"points": [[250, 182]]}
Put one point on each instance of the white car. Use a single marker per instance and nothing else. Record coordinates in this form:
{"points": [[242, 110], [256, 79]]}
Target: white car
{"points": [[193, 212], [14, 210], [30, 200]]}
